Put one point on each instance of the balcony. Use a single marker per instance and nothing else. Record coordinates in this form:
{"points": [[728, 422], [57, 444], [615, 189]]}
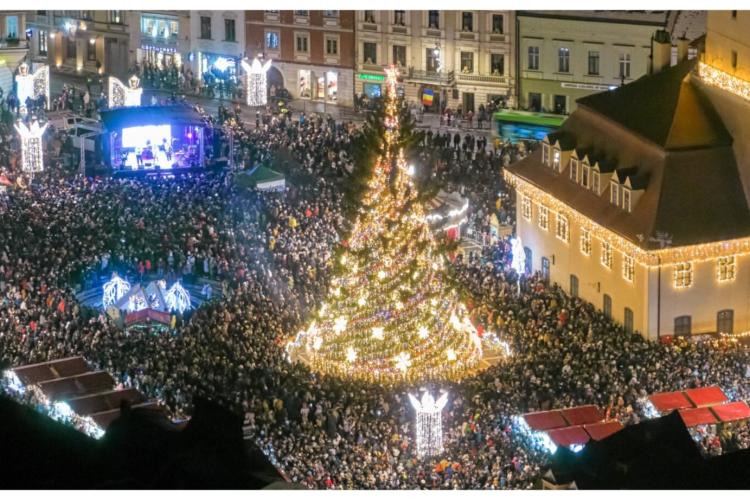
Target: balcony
{"points": [[397, 29], [497, 38], [481, 79], [434, 32], [431, 77], [369, 27], [467, 36]]}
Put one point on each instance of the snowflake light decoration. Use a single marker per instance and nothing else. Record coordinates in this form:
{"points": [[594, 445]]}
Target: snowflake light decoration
{"points": [[403, 361]]}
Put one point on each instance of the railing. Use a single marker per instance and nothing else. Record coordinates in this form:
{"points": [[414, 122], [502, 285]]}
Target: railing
{"points": [[442, 78], [498, 79]]}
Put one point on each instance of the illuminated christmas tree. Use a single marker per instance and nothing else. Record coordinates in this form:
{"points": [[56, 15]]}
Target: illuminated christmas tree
{"points": [[390, 314]]}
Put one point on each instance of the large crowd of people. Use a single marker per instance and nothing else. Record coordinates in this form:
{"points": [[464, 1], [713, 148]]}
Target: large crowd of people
{"points": [[272, 250]]}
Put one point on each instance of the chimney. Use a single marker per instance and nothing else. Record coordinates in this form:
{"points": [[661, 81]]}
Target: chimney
{"points": [[661, 51], [682, 48]]}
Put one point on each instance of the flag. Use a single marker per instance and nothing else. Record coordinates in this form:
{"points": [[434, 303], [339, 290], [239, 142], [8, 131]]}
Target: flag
{"points": [[427, 96]]}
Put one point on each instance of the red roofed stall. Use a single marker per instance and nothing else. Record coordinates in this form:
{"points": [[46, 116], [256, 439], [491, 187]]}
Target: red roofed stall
{"points": [[706, 396], [729, 412], [693, 417], [602, 430], [580, 415], [544, 420], [568, 436], [667, 401]]}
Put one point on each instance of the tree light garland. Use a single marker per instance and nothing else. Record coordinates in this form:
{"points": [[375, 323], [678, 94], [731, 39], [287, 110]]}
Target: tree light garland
{"points": [[256, 83], [429, 423]]}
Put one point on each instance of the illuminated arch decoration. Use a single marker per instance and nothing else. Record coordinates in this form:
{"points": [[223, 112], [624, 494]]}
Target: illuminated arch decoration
{"points": [[177, 298], [256, 83], [32, 85], [119, 95], [32, 157], [429, 423], [114, 290]]}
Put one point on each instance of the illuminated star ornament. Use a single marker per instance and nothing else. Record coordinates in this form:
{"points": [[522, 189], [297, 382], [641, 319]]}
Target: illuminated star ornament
{"points": [[429, 423], [389, 299], [119, 95], [32, 159], [32, 85], [256, 84]]}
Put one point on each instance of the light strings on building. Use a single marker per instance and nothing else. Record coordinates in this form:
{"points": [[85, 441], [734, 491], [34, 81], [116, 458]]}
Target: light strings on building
{"points": [[389, 300], [32, 157], [720, 79], [256, 82], [119, 95], [429, 423]]}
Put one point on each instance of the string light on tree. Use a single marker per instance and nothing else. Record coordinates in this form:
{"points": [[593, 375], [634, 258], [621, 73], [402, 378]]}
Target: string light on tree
{"points": [[32, 158], [256, 82], [429, 423]]}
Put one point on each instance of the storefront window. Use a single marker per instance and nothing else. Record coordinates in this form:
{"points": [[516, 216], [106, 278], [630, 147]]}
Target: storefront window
{"points": [[321, 94], [373, 90], [217, 67], [159, 27], [333, 86], [303, 86]]}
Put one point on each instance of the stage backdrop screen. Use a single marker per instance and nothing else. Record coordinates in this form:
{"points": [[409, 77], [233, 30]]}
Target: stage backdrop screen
{"points": [[136, 137]]}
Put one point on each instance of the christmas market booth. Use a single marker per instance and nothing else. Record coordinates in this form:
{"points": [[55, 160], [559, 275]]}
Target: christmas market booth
{"points": [[147, 140]]}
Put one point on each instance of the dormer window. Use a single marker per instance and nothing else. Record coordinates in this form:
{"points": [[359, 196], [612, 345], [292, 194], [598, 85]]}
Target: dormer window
{"points": [[626, 199], [556, 160], [545, 154], [595, 181], [614, 193], [574, 170], [585, 173]]}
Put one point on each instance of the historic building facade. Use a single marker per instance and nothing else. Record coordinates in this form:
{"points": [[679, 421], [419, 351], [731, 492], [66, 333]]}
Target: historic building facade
{"points": [[312, 52], [217, 44], [447, 57], [565, 55], [639, 203], [159, 37]]}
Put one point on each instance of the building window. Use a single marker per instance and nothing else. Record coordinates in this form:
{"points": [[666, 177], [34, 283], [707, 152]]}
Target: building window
{"points": [[595, 182], [42, 34], [205, 27], [625, 65], [70, 47], [497, 64], [614, 193], [626, 199], [431, 58], [399, 55], [115, 16], [561, 229], [726, 268], [734, 14], [607, 306], [91, 50], [302, 43], [11, 27], [304, 13], [628, 268], [585, 173], [682, 325], [585, 241], [370, 16], [725, 321], [467, 62], [433, 19], [574, 170], [272, 40], [526, 207], [545, 154], [593, 62], [332, 46], [683, 275], [533, 63], [497, 24], [369, 52], [556, 160], [330, 13], [573, 285], [399, 17], [734, 59], [467, 21], [543, 217], [606, 256], [628, 320], [563, 60], [229, 30]]}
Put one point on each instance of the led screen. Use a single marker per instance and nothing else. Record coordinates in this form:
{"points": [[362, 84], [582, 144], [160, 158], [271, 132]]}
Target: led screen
{"points": [[137, 137]]}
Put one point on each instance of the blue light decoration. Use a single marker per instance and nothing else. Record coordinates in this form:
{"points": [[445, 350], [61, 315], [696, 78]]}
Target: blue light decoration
{"points": [[114, 290], [177, 298]]}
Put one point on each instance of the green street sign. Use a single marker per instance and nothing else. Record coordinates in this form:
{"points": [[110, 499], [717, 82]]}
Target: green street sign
{"points": [[373, 78]]}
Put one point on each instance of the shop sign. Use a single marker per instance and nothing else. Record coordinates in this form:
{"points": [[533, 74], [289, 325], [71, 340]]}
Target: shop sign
{"points": [[372, 78]]}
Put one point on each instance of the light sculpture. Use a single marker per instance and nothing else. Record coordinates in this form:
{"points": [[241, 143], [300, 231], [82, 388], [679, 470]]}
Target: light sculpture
{"points": [[32, 85], [114, 290], [429, 423], [177, 298], [256, 83], [32, 157], [119, 95], [519, 256]]}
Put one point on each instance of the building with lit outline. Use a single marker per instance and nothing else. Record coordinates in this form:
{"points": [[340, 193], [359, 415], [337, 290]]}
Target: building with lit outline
{"points": [[639, 202]]}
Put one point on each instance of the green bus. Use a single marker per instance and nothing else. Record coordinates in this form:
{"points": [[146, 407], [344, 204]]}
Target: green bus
{"points": [[513, 125]]}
